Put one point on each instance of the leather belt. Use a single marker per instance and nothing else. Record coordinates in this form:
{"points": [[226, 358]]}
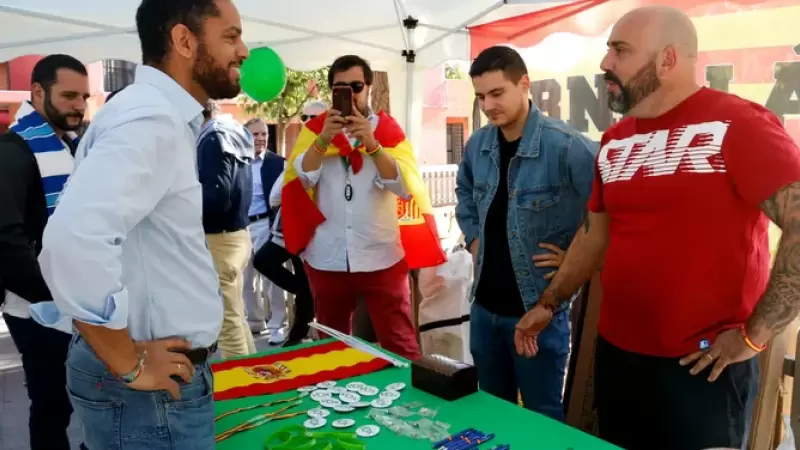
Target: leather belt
{"points": [[200, 355], [258, 217]]}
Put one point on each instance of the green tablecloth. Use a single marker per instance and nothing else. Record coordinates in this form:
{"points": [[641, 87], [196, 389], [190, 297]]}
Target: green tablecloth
{"points": [[523, 429]]}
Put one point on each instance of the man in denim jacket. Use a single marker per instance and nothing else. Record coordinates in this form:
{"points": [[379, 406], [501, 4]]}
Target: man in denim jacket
{"points": [[522, 189]]}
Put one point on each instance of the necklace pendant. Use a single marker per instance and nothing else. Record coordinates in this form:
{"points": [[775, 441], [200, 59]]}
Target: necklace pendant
{"points": [[348, 191]]}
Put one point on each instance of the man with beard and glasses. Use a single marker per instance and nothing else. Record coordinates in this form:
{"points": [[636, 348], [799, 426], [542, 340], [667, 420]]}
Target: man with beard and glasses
{"points": [[125, 254], [224, 153], [266, 168], [685, 187], [36, 158], [522, 187], [366, 192]]}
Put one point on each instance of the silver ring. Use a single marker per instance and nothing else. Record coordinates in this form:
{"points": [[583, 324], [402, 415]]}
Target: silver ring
{"points": [[180, 367], [710, 356]]}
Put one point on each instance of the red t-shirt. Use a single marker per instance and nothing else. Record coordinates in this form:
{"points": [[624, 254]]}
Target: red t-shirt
{"points": [[688, 252]]}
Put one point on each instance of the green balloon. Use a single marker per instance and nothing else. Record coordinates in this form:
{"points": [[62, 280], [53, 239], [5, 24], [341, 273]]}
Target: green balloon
{"points": [[263, 75]]}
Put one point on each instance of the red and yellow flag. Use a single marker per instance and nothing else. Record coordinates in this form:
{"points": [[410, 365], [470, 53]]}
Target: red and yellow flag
{"points": [[418, 232], [281, 372]]}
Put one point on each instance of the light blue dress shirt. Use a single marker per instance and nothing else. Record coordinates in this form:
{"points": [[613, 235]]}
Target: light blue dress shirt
{"points": [[259, 203], [125, 246]]}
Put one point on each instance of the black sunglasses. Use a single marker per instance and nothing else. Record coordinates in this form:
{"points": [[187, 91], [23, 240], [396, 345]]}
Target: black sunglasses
{"points": [[307, 117], [356, 86]]}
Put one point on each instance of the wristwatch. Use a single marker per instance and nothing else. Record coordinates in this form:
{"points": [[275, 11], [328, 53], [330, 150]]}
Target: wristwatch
{"points": [[134, 374]]}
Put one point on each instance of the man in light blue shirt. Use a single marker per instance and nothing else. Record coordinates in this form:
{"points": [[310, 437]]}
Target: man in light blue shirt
{"points": [[125, 255]]}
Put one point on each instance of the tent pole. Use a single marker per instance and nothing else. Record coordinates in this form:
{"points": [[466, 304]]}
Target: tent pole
{"points": [[409, 24]]}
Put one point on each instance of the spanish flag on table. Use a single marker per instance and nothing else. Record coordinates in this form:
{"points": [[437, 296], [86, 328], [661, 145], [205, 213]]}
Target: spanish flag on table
{"points": [[301, 216], [286, 371]]}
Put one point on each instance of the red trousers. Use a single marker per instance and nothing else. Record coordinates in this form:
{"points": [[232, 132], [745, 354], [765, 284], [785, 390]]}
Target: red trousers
{"points": [[386, 295]]}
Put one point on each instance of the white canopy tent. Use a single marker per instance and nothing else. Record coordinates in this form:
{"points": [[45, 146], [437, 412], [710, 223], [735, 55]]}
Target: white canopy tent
{"points": [[402, 37]]}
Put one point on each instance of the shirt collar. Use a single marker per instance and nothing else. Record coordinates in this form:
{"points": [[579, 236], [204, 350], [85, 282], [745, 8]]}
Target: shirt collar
{"points": [[190, 109]]}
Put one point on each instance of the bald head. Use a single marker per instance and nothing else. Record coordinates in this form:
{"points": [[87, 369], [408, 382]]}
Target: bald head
{"points": [[661, 26]]}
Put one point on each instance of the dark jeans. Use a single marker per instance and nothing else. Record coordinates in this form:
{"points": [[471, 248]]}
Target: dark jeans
{"points": [[647, 402], [44, 353], [503, 373], [269, 261]]}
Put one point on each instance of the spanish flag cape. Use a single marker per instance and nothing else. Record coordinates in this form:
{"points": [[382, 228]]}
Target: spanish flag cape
{"points": [[301, 216], [286, 371]]}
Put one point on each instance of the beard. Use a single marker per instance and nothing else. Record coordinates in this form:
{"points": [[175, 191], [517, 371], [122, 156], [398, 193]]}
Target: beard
{"points": [[212, 77], [58, 119], [638, 88]]}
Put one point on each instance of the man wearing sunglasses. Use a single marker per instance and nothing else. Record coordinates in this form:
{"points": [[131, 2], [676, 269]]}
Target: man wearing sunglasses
{"points": [[358, 165]]}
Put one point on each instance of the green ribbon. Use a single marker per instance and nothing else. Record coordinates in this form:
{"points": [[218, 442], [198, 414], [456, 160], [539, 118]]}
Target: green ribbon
{"points": [[295, 437]]}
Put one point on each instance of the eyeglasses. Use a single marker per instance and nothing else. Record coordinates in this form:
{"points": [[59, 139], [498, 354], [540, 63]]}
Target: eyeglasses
{"points": [[307, 117], [356, 86]]}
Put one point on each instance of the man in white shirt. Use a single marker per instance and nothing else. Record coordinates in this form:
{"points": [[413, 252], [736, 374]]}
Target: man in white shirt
{"points": [[125, 254], [266, 168], [356, 251], [36, 158]]}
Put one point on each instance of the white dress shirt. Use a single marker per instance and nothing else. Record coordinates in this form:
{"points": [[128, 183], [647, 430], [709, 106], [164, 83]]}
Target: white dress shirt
{"points": [[360, 235], [126, 247], [259, 203]]}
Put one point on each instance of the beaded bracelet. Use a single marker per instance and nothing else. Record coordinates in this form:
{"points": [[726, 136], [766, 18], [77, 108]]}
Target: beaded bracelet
{"points": [[750, 343]]}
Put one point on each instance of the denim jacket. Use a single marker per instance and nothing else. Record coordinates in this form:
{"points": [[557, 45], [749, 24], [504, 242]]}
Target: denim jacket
{"points": [[549, 182]]}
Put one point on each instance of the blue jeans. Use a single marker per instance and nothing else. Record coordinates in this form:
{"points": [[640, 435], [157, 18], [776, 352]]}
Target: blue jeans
{"points": [[502, 372], [115, 417]]}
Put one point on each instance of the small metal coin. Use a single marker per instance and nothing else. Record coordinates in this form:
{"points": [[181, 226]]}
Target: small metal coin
{"points": [[320, 395], [318, 413], [326, 384], [338, 390], [343, 423], [396, 387], [390, 395], [307, 389], [368, 391], [314, 423], [350, 397], [355, 386], [368, 431], [381, 403], [330, 402], [343, 408], [359, 404]]}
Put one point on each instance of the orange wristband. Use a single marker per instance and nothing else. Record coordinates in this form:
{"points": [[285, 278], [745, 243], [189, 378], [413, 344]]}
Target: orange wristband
{"points": [[319, 148], [377, 148], [750, 343]]}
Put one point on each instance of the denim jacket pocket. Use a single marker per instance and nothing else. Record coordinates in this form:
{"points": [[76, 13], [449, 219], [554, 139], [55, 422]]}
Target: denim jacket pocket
{"points": [[538, 212]]}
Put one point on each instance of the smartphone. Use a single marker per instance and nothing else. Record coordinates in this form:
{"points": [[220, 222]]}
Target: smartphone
{"points": [[342, 100]]}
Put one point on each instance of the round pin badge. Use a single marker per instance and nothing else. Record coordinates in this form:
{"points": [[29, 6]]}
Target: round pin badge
{"points": [[381, 403], [307, 389], [330, 402], [326, 384], [354, 386], [390, 395], [338, 390], [368, 391], [350, 397], [343, 408], [368, 431], [320, 395], [314, 423], [318, 413], [343, 423], [359, 404], [396, 387]]}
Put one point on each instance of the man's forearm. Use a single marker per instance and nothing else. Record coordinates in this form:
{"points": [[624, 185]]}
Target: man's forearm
{"points": [[583, 258], [385, 165], [780, 304], [114, 347], [312, 159]]}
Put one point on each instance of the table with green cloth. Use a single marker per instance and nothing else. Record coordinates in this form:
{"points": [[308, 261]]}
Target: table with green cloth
{"points": [[511, 424]]}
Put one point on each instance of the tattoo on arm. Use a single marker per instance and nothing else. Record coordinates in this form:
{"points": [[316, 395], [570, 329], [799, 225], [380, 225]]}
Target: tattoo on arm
{"points": [[780, 304]]}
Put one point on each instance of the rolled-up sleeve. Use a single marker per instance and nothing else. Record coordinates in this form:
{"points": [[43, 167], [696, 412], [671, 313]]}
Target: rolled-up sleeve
{"points": [[309, 179], [397, 186], [275, 192], [128, 170]]}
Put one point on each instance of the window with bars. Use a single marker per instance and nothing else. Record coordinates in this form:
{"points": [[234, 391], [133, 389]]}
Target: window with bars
{"points": [[455, 142], [117, 74]]}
